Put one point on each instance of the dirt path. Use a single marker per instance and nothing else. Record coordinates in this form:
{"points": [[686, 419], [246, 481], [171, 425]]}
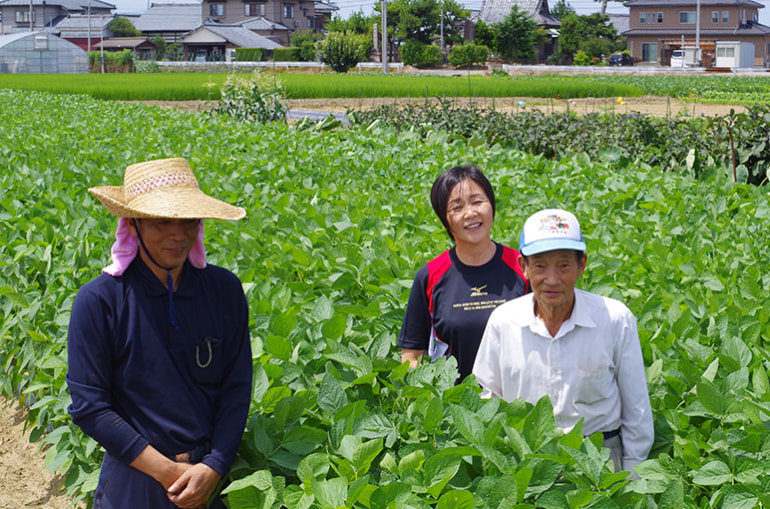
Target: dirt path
{"points": [[24, 481], [649, 105]]}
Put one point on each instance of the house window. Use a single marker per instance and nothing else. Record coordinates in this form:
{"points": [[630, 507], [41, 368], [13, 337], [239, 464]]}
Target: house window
{"points": [[310, 23], [217, 10], [288, 11], [715, 17], [687, 17], [649, 52], [725, 17], [642, 18], [23, 16], [660, 17], [726, 52], [253, 10]]}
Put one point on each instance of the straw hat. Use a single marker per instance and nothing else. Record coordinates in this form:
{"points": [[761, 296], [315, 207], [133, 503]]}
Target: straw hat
{"points": [[163, 188]]}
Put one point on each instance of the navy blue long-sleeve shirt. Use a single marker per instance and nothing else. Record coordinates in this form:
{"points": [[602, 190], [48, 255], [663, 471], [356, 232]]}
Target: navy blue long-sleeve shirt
{"points": [[136, 381]]}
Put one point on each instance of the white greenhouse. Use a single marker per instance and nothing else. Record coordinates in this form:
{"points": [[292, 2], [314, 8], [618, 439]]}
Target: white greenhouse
{"points": [[39, 52]]}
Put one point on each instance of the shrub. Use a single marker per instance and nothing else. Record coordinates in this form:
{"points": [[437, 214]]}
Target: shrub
{"points": [[306, 42], [582, 58], [249, 54], [288, 54], [114, 61], [419, 54], [255, 97], [343, 50], [122, 27], [468, 54]]}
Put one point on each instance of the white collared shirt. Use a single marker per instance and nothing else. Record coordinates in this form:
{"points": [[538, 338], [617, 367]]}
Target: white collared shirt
{"points": [[593, 368]]}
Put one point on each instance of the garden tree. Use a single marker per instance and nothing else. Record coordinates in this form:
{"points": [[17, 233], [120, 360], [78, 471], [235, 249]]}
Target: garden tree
{"points": [[122, 27], [561, 9], [357, 22], [420, 20], [306, 42], [343, 50], [515, 36], [590, 33], [160, 47], [485, 36]]}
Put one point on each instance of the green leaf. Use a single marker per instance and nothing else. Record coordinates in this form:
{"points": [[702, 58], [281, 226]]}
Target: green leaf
{"points": [[331, 493], [739, 497], [331, 395], [712, 400], [539, 425], [335, 327], [713, 473], [438, 471], [456, 499]]}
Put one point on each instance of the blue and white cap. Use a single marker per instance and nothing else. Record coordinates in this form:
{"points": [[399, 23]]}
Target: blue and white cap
{"points": [[549, 230]]}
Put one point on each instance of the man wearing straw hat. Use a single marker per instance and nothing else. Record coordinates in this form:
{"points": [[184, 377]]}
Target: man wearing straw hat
{"points": [[160, 364], [580, 349]]}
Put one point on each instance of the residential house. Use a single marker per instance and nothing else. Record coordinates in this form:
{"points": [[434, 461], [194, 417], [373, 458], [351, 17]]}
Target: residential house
{"points": [[323, 14], [658, 27], [297, 15], [83, 30], [143, 47], [216, 42], [276, 32], [169, 21], [29, 15], [495, 11]]}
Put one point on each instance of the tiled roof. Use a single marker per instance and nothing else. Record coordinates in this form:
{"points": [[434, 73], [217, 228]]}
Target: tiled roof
{"points": [[123, 42], [323, 7], [238, 35], [691, 3], [170, 18], [621, 22], [79, 22], [721, 33], [495, 11], [70, 5], [260, 23]]}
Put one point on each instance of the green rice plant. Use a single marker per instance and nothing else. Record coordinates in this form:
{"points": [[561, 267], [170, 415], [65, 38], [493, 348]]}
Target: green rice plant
{"points": [[206, 86]]}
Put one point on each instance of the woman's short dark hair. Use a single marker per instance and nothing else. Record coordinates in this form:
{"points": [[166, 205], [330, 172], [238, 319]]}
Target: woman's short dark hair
{"points": [[442, 188]]}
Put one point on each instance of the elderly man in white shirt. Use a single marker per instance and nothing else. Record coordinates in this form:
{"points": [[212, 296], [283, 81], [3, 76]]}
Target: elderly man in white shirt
{"points": [[580, 349]]}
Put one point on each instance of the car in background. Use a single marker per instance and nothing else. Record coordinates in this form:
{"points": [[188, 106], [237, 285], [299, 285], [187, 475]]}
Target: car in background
{"points": [[620, 60], [678, 58]]}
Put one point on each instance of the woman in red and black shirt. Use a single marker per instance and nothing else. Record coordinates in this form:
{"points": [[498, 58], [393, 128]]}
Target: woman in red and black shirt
{"points": [[454, 294]]}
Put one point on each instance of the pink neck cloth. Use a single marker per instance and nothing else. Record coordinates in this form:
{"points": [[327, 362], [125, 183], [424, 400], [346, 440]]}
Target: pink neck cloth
{"points": [[126, 246]]}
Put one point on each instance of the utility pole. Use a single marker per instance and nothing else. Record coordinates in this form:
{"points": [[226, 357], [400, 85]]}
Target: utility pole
{"points": [[89, 25], [384, 37], [101, 43], [697, 33], [442, 36]]}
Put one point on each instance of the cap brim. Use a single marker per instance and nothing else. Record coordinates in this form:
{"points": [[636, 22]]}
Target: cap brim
{"points": [[184, 203], [541, 246]]}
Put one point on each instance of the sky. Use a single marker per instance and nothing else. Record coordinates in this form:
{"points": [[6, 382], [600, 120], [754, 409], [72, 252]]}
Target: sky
{"points": [[348, 7]]}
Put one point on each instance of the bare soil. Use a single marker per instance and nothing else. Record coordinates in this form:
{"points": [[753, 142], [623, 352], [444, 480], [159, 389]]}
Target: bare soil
{"points": [[649, 105], [24, 481]]}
